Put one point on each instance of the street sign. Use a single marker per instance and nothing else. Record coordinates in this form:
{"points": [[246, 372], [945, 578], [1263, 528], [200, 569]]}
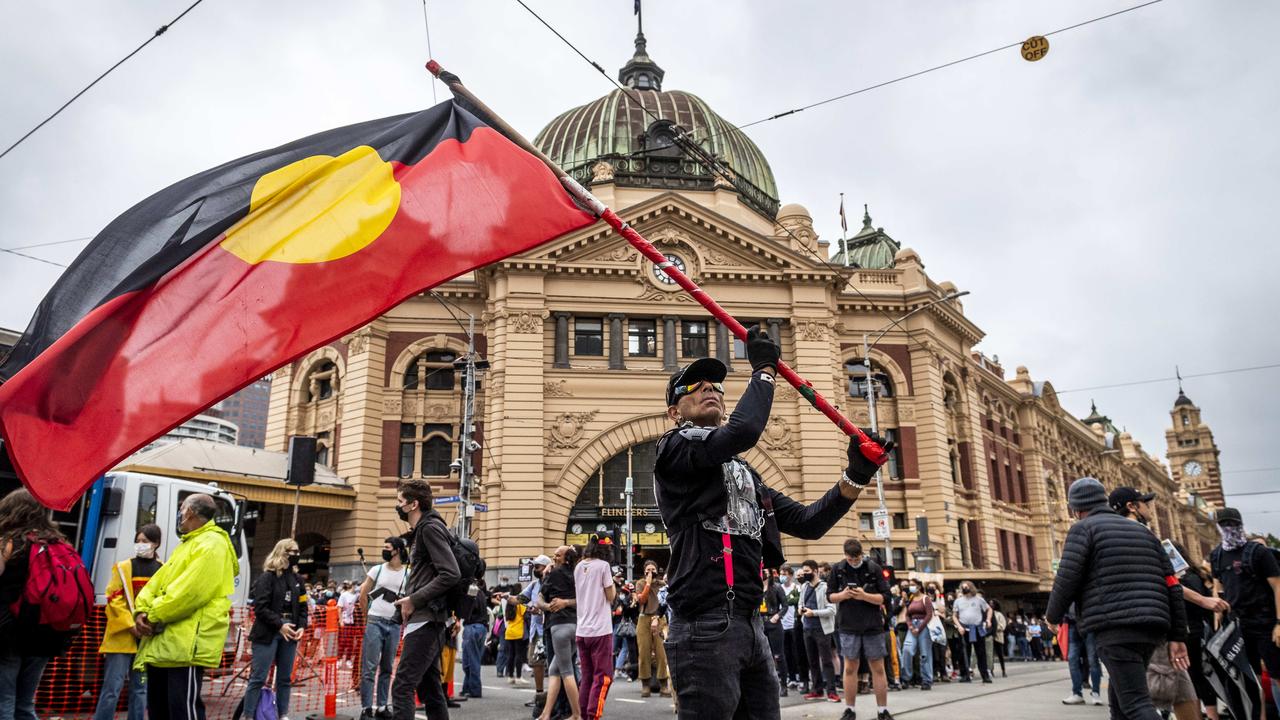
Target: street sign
{"points": [[447, 500], [525, 573], [1036, 47], [480, 507], [881, 520]]}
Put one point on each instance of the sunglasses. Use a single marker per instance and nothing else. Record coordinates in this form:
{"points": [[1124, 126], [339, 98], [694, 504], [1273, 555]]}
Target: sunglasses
{"points": [[687, 389]]}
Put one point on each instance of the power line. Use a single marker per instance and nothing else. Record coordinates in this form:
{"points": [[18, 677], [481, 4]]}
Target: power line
{"points": [[427, 24], [1171, 379], [1250, 470], [926, 71], [159, 31], [32, 257], [49, 244]]}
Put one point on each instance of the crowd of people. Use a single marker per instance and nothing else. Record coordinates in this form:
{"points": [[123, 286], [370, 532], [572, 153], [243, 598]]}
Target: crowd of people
{"points": [[725, 630]]}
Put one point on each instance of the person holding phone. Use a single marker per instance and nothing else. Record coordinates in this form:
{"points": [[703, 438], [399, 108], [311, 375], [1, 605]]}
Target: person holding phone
{"points": [[861, 593], [279, 615]]}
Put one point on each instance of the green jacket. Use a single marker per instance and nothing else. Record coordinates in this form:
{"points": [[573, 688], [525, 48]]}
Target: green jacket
{"points": [[189, 597]]}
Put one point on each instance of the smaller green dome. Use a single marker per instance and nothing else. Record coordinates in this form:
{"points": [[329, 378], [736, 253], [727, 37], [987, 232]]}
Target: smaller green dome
{"points": [[871, 248]]}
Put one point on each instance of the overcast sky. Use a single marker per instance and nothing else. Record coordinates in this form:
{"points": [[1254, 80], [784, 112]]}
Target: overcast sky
{"points": [[1110, 207]]}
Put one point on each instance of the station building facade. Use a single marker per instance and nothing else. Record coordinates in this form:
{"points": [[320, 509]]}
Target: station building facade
{"points": [[582, 333]]}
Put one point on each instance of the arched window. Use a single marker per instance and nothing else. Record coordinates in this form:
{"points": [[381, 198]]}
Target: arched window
{"points": [[322, 381], [434, 365], [428, 447], [856, 372]]}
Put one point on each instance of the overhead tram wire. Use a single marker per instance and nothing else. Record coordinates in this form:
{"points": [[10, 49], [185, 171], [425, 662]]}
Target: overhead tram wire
{"points": [[697, 153], [1171, 379], [159, 31], [926, 71], [48, 244], [32, 257], [427, 24]]}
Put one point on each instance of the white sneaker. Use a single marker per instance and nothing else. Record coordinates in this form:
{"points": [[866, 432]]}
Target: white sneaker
{"points": [[1073, 700], [1095, 699], [522, 682]]}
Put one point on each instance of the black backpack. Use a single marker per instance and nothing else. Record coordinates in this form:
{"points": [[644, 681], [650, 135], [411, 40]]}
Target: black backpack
{"points": [[1246, 559], [458, 599]]}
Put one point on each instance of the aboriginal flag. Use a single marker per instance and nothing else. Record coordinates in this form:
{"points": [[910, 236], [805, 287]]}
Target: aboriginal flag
{"points": [[227, 275]]}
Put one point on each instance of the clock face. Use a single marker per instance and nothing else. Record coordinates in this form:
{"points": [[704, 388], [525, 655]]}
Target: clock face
{"points": [[661, 276], [1192, 468]]}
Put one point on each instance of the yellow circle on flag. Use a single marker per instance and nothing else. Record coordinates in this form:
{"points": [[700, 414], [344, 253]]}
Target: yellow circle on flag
{"points": [[1035, 47], [317, 209]]}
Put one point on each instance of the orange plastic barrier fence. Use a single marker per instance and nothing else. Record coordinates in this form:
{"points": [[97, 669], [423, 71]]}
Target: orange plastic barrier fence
{"points": [[72, 682]]}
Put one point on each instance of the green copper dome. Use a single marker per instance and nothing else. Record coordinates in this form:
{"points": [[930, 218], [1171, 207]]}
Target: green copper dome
{"points": [[620, 129], [871, 248]]}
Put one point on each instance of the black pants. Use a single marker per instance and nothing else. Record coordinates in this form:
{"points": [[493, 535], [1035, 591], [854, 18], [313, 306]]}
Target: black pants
{"points": [[174, 693], [797, 661], [976, 649], [822, 674], [419, 670], [722, 668], [1127, 680], [774, 634], [516, 657]]}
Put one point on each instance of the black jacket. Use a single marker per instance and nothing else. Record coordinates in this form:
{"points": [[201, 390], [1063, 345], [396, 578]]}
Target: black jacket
{"points": [[433, 571], [689, 481], [277, 599], [1120, 578]]}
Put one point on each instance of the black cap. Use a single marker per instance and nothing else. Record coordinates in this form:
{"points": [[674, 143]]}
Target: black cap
{"points": [[1228, 516], [1122, 496], [701, 369]]}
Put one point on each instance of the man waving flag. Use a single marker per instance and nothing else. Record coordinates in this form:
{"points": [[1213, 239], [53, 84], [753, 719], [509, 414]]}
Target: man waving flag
{"points": [[225, 276]]}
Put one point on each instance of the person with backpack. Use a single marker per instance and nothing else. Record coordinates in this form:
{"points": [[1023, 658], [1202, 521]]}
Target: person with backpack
{"points": [[279, 616], [384, 585], [433, 575], [41, 610], [859, 591], [119, 641], [183, 614], [1247, 575]]}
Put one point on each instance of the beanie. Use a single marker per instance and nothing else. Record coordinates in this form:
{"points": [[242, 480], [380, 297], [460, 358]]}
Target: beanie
{"points": [[1086, 494]]}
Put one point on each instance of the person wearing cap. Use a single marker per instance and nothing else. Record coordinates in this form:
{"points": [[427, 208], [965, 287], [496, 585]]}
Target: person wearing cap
{"points": [[723, 524], [649, 627], [537, 657], [1123, 584], [1247, 575]]}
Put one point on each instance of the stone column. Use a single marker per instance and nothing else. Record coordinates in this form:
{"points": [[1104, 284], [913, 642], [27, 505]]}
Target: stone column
{"points": [[821, 450], [933, 457], [360, 446], [723, 349], [615, 341], [775, 329], [561, 341], [669, 342]]}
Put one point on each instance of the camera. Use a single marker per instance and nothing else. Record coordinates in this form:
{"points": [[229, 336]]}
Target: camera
{"points": [[456, 465]]}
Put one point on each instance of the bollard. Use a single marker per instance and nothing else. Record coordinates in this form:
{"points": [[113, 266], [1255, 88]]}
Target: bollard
{"points": [[331, 659]]}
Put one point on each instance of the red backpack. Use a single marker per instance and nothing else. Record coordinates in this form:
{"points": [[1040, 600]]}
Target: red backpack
{"points": [[58, 586]]}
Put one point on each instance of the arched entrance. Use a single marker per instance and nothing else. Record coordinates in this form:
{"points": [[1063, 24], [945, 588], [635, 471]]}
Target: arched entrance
{"points": [[601, 507]]}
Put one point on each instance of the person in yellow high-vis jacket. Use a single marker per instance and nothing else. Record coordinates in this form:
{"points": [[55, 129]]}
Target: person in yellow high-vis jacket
{"points": [[120, 640], [182, 614]]}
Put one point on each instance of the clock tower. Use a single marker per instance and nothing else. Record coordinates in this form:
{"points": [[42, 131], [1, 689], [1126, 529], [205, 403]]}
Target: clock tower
{"points": [[1193, 456]]}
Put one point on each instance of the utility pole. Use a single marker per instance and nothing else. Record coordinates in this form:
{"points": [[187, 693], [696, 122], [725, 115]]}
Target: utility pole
{"points": [[466, 511], [627, 493]]}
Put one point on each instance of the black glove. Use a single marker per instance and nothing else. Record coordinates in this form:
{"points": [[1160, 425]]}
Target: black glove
{"points": [[762, 351], [861, 469]]}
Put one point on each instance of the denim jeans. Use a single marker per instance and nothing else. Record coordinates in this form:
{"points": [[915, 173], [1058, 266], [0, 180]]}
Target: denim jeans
{"points": [[722, 667], [621, 643], [116, 669], [377, 658], [1024, 648], [279, 653], [19, 678], [504, 649], [921, 645], [472, 655], [1074, 646]]}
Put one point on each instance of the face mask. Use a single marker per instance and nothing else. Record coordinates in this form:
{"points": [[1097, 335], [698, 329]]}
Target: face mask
{"points": [[144, 550], [856, 563], [387, 555], [293, 559], [913, 589], [404, 514], [178, 525]]}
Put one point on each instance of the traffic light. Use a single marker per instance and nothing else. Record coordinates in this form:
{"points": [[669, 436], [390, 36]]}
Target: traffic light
{"points": [[890, 575], [617, 547]]}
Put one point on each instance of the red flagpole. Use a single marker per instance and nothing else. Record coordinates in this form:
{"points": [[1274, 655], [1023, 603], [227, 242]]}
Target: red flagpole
{"points": [[870, 449]]}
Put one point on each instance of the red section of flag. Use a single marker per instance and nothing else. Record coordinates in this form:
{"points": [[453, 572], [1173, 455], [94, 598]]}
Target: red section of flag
{"points": [[147, 360]]}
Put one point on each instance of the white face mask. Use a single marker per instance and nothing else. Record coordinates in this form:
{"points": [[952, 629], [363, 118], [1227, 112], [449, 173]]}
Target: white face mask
{"points": [[913, 589], [144, 550]]}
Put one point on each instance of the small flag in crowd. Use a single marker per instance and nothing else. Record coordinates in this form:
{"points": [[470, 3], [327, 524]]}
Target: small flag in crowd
{"points": [[219, 279]]}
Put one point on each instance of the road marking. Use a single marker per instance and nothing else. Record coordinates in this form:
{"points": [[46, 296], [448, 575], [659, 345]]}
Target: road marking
{"points": [[638, 702]]}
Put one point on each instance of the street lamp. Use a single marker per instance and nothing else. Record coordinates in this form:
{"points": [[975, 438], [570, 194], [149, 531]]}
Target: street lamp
{"points": [[871, 405]]}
